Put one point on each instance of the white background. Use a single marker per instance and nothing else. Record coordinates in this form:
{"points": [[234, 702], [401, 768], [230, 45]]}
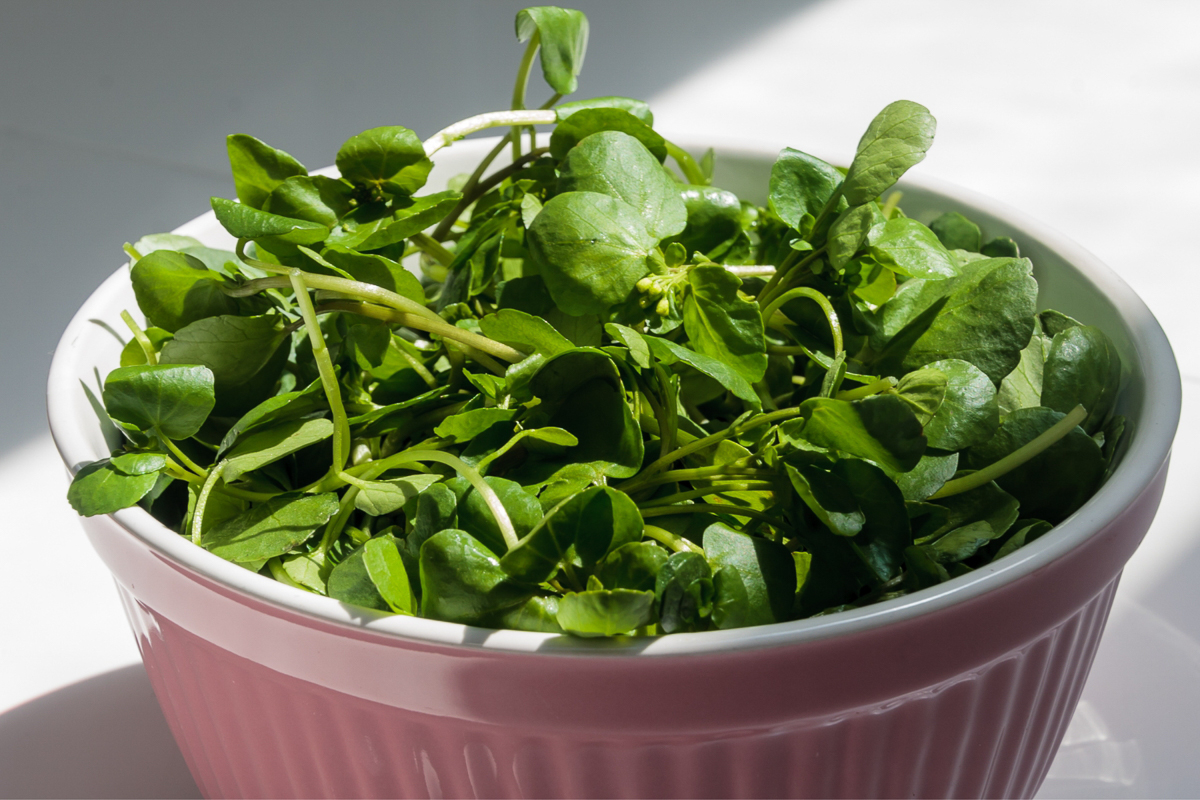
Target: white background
{"points": [[112, 118]]}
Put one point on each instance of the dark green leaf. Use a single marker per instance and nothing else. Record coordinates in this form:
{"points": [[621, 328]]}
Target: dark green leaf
{"points": [[525, 332], [850, 232], [957, 232], [1022, 388], [829, 498], [593, 249], [174, 400], [882, 429], [668, 353], [582, 124], [461, 581], [684, 590], [174, 290], [722, 325], [714, 216], [411, 216], [924, 390], [314, 198], [800, 184], [1082, 368], [563, 35], [896, 140], [389, 154], [258, 169], [139, 463], [755, 579], [234, 348], [244, 222], [386, 570], [268, 445], [476, 518], [272, 528], [618, 165], [604, 612], [636, 107], [100, 488], [466, 425], [597, 521], [969, 413], [633, 566], [350, 582], [908, 247]]}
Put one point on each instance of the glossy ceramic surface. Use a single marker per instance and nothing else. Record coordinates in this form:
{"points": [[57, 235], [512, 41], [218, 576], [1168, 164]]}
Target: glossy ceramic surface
{"points": [[962, 690]]}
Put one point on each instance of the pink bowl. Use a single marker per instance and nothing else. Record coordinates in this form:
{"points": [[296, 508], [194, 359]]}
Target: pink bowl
{"points": [[961, 690]]}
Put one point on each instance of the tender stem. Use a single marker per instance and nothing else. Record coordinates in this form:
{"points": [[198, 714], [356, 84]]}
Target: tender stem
{"points": [[142, 339], [881, 385], [698, 508], [715, 473], [491, 119], [1014, 459], [716, 488], [752, 270], [687, 165], [518, 98], [182, 457], [335, 526], [672, 541], [818, 298], [214, 475], [482, 188], [787, 271], [432, 247], [341, 424]]}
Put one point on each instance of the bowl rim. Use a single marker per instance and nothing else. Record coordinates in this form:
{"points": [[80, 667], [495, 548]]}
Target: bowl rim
{"points": [[1145, 455]]}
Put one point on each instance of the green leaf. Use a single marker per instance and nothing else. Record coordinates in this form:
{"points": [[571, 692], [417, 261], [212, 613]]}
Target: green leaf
{"points": [[139, 463], [476, 518], [584, 123], [1022, 388], [639, 349], [714, 216], [633, 566], [930, 474], [969, 414], [257, 169], [800, 184], [924, 390], [466, 425], [829, 498], [268, 445], [101, 488], [851, 231], [592, 249], [563, 35], [411, 216], [313, 198], [525, 332], [722, 325], [961, 543], [272, 528], [605, 612], [668, 353], [684, 591], [618, 165], [956, 232], [388, 497], [1054, 483], [638, 108], [1001, 247], [581, 392], [282, 407], [896, 140], [244, 222], [386, 570], [234, 348], [988, 503], [885, 533], [1082, 368], [154, 242], [173, 400], [882, 429], [350, 582], [174, 290], [984, 316], [391, 154], [461, 581], [909, 248], [755, 579], [596, 522]]}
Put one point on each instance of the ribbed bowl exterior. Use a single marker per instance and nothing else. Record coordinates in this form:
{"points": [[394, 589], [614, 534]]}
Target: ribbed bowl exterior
{"points": [[969, 701]]}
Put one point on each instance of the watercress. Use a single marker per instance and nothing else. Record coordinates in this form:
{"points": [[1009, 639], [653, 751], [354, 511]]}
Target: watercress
{"points": [[619, 399]]}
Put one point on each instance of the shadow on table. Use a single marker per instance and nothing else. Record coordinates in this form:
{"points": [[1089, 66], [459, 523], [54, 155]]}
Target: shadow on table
{"points": [[102, 737]]}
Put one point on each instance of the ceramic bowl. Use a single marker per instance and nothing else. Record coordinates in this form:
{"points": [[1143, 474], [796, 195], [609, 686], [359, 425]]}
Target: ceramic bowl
{"points": [[962, 690]]}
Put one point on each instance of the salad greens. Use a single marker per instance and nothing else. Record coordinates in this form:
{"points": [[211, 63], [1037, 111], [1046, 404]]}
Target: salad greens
{"points": [[618, 399]]}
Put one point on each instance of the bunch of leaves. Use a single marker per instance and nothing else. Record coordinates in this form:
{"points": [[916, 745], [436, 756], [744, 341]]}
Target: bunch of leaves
{"points": [[618, 399]]}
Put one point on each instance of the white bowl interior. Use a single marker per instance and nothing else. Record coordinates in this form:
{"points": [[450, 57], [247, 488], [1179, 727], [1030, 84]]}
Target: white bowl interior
{"points": [[1071, 280]]}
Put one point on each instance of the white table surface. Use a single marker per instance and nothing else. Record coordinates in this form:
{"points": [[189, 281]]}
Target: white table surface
{"points": [[1082, 115]]}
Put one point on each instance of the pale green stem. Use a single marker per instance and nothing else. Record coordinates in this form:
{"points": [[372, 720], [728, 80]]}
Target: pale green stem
{"points": [[142, 339], [687, 165], [202, 500], [716, 488], [881, 385], [818, 298], [674, 542], [715, 473], [431, 246], [1014, 459], [134, 255], [183, 459], [518, 97], [341, 424], [492, 119], [752, 270], [698, 508]]}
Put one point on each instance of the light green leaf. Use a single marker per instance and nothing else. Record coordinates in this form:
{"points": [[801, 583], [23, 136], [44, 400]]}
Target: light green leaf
{"points": [[896, 140]]}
